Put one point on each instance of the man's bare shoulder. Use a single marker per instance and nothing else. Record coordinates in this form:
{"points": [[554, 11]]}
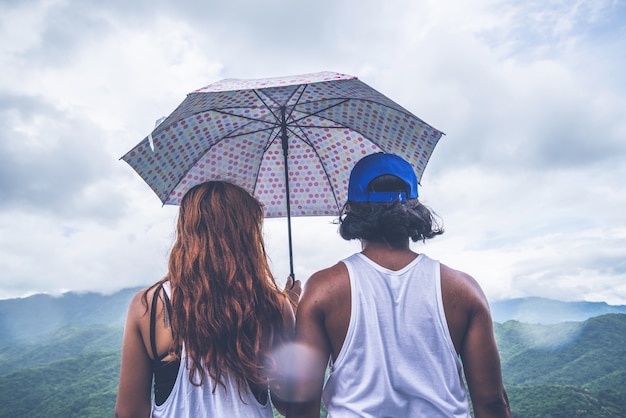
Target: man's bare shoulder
{"points": [[458, 284], [326, 284], [458, 276], [328, 274]]}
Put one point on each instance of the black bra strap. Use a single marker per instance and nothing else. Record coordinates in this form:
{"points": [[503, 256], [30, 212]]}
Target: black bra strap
{"points": [[168, 306], [155, 298]]}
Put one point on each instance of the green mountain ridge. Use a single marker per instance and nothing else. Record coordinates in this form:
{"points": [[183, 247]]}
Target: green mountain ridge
{"points": [[573, 369], [67, 342]]}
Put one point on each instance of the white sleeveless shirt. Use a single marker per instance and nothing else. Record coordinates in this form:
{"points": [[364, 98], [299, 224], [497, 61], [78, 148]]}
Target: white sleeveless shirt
{"points": [[398, 359], [189, 401]]}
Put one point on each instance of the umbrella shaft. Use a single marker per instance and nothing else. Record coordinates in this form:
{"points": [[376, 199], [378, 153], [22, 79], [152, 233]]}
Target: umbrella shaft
{"points": [[285, 145]]}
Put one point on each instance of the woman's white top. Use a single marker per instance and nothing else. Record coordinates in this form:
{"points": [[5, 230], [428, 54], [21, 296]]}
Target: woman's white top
{"points": [[189, 401]]}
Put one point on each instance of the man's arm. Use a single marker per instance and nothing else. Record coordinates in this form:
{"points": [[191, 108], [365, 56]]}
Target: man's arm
{"points": [[481, 360], [311, 350]]}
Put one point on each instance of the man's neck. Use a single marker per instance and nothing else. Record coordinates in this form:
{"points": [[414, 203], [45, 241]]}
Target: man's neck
{"points": [[383, 254]]}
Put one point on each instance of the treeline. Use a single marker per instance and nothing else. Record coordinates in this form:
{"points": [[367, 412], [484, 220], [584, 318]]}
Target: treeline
{"points": [[564, 370]]}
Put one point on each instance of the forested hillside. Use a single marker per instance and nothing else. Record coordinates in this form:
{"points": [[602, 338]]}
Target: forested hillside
{"points": [[68, 342], [81, 386], [565, 370], [569, 369]]}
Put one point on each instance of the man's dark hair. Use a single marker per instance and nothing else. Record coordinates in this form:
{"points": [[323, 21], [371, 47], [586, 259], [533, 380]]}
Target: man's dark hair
{"points": [[391, 222]]}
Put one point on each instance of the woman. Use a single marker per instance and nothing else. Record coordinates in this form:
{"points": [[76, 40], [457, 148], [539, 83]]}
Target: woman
{"points": [[207, 330]]}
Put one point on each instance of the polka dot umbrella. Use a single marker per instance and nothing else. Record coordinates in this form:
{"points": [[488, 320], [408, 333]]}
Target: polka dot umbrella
{"points": [[290, 141]]}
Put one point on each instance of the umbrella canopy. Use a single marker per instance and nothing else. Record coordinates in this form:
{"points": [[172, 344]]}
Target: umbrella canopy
{"points": [[289, 141]]}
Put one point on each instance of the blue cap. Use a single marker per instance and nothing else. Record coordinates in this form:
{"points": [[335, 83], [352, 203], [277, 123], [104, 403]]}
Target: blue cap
{"points": [[376, 165]]}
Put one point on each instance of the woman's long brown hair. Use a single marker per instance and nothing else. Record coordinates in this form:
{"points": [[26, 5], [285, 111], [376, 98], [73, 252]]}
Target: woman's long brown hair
{"points": [[226, 305]]}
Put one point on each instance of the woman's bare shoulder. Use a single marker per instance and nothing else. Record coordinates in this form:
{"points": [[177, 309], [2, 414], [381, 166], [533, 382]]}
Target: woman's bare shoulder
{"points": [[139, 306]]}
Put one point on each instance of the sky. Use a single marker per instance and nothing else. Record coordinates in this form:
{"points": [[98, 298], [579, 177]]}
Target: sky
{"points": [[528, 179]]}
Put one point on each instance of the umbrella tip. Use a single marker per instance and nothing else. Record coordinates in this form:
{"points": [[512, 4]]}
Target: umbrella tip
{"points": [[151, 142], [156, 125], [159, 121]]}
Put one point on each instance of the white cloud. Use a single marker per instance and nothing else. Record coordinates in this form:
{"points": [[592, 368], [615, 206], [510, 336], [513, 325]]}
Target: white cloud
{"points": [[528, 178]]}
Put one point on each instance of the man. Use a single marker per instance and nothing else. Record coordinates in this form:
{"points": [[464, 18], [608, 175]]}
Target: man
{"points": [[395, 324]]}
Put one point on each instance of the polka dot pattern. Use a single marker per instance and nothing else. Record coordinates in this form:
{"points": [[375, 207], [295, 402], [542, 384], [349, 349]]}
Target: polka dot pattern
{"points": [[230, 130]]}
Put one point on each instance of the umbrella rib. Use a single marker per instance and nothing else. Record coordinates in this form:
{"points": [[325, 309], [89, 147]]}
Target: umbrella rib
{"points": [[265, 148], [317, 112], [346, 99], [258, 95], [304, 138], [223, 112], [272, 137], [233, 134], [293, 108], [276, 117]]}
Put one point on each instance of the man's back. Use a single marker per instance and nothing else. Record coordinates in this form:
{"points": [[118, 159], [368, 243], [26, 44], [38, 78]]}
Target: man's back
{"points": [[397, 358], [324, 316]]}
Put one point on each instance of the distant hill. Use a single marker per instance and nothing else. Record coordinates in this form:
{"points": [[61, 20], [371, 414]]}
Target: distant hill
{"points": [[38, 315], [547, 311]]}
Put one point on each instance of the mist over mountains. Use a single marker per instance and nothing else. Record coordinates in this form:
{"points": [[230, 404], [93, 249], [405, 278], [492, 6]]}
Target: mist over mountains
{"points": [[536, 310], [33, 316]]}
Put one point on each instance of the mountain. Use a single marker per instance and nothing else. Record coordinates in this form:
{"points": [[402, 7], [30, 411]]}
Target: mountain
{"points": [[564, 370], [59, 357], [36, 316], [548, 311]]}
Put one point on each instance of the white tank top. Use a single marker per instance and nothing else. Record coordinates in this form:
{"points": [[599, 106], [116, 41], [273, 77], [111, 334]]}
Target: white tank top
{"points": [[189, 401], [398, 359]]}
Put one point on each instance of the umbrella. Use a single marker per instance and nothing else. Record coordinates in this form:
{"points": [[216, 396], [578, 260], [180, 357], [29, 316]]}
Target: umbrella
{"points": [[289, 141]]}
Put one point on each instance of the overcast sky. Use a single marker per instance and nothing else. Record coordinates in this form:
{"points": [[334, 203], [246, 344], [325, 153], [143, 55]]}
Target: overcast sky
{"points": [[529, 178]]}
